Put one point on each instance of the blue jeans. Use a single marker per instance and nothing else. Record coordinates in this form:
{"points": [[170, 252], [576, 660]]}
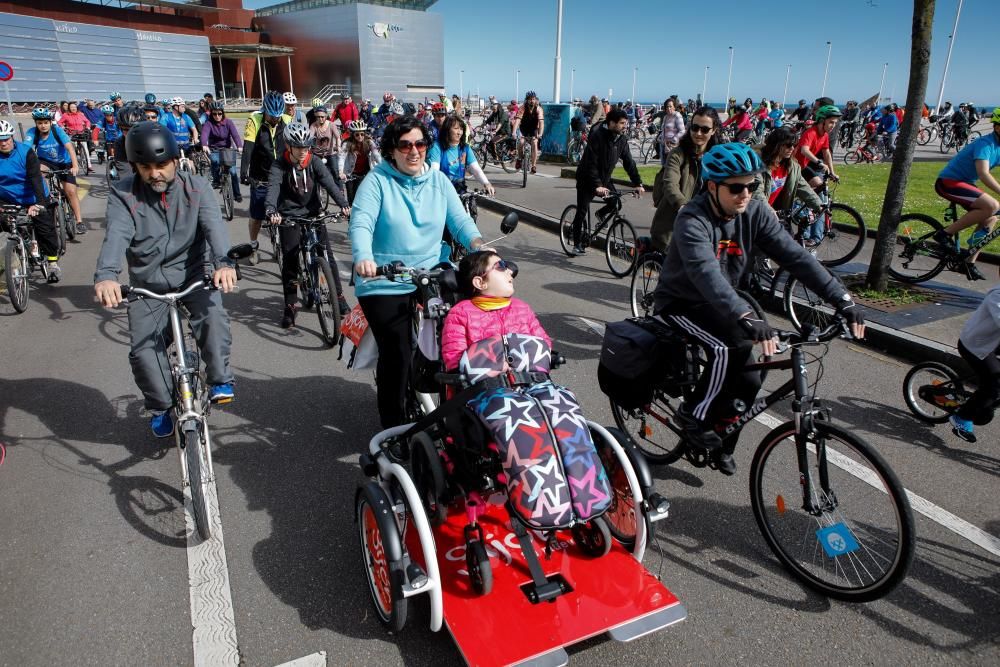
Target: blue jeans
{"points": [[216, 168]]}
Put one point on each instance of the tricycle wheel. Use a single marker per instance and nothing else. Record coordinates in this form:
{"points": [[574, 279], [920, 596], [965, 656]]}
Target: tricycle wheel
{"points": [[381, 549], [593, 537], [477, 561], [428, 476]]}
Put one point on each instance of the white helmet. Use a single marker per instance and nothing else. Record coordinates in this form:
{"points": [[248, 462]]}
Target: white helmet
{"points": [[357, 126], [178, 100], [6, 130], [396, 109], [289, 98], [298, 135]]}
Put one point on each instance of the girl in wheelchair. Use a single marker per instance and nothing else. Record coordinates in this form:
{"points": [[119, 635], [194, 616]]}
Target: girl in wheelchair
{"points": [[551, 467]]}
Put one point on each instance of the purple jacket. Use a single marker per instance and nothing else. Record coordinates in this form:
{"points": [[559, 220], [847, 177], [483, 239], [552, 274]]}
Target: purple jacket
{"points": [[217, 135]]}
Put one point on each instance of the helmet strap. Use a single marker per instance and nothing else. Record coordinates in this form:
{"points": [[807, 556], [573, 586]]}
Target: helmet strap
{"points": [[716, 204]]}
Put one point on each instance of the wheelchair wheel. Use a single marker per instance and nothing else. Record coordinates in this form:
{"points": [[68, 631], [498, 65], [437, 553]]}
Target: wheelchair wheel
{"points": [[621, 516], [593, 538], [478, 563], [428, 477], [381, 551]]}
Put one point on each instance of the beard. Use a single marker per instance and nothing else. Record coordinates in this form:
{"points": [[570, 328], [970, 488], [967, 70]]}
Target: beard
{"points": [[158, 187]]}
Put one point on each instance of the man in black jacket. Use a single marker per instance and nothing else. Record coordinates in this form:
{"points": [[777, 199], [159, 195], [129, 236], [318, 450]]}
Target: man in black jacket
{"points": [[715, 235], [292, 191], [605, 146]]}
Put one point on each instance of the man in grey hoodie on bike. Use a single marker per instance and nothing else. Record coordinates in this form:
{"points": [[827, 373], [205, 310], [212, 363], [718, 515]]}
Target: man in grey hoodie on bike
{"points": [[167, 225]]}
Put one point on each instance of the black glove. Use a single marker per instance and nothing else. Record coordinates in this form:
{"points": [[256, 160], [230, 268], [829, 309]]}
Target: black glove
{"points": [[756, 330], [245, 180], [850, 312]]}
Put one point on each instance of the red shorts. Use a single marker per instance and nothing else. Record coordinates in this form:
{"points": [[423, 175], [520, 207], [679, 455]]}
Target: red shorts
{"points": [[960, 192]]}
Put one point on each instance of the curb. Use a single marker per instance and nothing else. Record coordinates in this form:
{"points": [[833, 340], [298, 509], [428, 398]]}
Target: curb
{"points": [[886, 339]]}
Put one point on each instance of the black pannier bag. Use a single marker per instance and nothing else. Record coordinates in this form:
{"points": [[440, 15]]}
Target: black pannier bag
{"points": [[635, 357]]}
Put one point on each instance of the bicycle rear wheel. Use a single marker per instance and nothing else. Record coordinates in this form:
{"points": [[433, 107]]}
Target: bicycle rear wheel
{"points": [[932, 391], [644, 280], [198, 478], [917, 257], [566, 229], [327, 307], [651, 429], [853, 156], [925, 136], [844, 236], [620, 248], [858, 541], [16, 270]]}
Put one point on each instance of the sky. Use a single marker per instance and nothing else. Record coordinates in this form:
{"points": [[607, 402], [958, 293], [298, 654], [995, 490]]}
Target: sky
{"points": [[671, 42]]}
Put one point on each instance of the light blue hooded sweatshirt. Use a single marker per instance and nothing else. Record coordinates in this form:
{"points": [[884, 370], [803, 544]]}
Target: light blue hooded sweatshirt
{"points": [[396, 217]]}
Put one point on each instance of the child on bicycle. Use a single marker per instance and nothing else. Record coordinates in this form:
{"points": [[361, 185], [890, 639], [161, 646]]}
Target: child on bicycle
{"points": [[979, 345], [490, 310], [292, 191]]}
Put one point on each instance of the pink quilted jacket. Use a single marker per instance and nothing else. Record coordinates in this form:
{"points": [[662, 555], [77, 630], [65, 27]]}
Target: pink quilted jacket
{"points": [[467, 324]]}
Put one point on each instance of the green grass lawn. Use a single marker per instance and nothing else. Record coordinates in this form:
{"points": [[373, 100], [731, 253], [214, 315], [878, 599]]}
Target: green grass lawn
{"points": [[862, 187]]}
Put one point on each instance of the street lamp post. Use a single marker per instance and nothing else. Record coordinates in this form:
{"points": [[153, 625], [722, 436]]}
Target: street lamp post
{"points": [[558, 75], [461, 84], [635, 72], [704, 87], [729, 81], [829, 50], [517, 84], [881, 86], [947, 61], [572, 75], [784, 95]]}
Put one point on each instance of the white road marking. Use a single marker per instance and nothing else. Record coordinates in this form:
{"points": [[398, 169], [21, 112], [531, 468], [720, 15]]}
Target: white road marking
{"points": [[212, 619], [939, 515], [312, 660]]}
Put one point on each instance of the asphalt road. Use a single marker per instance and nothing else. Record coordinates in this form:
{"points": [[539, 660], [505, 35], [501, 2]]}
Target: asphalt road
{"points": [[93, 567]]}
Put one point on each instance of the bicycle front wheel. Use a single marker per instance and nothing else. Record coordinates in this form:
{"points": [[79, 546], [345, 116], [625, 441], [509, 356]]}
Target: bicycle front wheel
{"points": [[61, 232], [505, 155], [68, 218], [856, 540], [16, 269], [566, 229], [932, 391], [644, 280], [805, 307], [619, 247], [844, 236], [327, 306], [228, 203], [917, 256], [853, 156], [198, 478], [925, 136], [525, 164]]}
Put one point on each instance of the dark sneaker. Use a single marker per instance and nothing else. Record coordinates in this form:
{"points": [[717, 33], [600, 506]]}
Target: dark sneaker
{"points": [[580, 249], [221, 393], [724, 462], [534, 171], [963, 428], [345, 308], [238, 199], [162, 424], [81, 228], [972, 272], [288, 319], [696, 433]]}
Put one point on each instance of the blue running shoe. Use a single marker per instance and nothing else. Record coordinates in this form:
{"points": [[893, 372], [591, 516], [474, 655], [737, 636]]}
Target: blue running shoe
{"points": [[221, 393], [162, 424], [963, 428]]}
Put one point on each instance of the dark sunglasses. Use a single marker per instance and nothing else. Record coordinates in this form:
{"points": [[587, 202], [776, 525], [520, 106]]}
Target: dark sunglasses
{"points": [[405, 146], [505, 265], [701, 129], [216, 113], [738, 188]]}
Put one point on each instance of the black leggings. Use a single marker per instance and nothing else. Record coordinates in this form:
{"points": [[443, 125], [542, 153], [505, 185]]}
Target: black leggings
{"points": [[979, 408], [390, 319]]}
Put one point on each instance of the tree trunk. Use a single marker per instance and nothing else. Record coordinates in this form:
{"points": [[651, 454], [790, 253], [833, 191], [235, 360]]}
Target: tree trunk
{"points": [[906, 142]]}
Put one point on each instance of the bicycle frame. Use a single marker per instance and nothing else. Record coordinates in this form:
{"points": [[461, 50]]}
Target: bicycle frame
{"points": [[588, 235]]}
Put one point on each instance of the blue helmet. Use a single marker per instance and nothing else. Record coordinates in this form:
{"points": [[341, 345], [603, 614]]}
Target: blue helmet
{"points": [[273, 105], [41, 113], [150, 98], [724, 161]]}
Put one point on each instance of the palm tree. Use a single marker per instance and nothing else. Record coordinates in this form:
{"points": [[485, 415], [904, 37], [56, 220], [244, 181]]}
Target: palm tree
{"points": [[906, 141]]}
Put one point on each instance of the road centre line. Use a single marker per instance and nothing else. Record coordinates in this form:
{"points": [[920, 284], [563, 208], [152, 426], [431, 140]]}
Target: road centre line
{"points": [[939, 515]]}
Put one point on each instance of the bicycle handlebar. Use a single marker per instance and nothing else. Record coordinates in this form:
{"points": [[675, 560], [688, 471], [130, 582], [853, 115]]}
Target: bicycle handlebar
{"points": [[293, 220], [205, 282], [813, 336], [416, 275]]}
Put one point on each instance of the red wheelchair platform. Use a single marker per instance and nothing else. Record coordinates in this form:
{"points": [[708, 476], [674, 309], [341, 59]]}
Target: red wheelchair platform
{"points": [[613, 593]]}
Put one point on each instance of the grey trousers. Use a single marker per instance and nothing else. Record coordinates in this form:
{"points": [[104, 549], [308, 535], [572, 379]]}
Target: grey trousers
{"points": [[149, 326]]}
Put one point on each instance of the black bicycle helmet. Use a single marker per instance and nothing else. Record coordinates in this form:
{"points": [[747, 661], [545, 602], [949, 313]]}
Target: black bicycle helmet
{"points": [[149, 142], [217, 106], [129, 115]]}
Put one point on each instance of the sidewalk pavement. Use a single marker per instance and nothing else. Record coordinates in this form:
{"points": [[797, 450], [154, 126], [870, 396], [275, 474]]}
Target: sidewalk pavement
{"points": [[918, 332]]}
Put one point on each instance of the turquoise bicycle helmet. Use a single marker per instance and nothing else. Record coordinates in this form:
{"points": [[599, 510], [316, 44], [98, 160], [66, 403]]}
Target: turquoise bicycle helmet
{"points": [[724, 161], [274, 104], [41, 113]]}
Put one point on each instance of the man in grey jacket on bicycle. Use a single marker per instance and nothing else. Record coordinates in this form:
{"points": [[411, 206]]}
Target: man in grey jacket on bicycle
{"points": [[167, 225]]}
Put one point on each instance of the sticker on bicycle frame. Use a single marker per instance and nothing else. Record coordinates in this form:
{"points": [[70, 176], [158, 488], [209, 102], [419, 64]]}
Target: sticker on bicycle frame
{"points": [[837, 540]]}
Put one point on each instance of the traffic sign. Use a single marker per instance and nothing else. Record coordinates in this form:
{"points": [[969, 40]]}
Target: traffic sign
{"points": [[6, 72]]}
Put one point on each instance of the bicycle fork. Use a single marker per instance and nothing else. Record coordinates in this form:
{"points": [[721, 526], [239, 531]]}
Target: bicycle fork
{"points": [[806, 409], [188, 415]]}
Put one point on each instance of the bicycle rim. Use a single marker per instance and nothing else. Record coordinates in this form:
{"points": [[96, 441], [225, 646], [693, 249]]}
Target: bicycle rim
{"points": [[644, 281], [16, 269], [803, 306], [657, 441], [327, 308], [932, 391], [917, 257], [197, 469], [858, 544], [227, 199], [844, 238], [619, 248], [566, 229], [525, 164]]}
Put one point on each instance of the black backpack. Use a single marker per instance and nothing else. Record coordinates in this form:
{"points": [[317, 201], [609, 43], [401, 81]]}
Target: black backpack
{"points": [[636, 357]]}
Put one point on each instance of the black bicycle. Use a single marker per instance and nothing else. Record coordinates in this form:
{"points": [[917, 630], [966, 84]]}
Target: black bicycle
{"points": [[21, 256], [620, 249], [227, 160], [828, 505], [62, 212], [468, 198], [500, 152], [317, 286]]}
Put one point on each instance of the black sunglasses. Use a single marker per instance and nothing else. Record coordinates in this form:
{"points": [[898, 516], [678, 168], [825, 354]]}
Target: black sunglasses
{"points": [[505, 265], [701, 129], [738, 188]]}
